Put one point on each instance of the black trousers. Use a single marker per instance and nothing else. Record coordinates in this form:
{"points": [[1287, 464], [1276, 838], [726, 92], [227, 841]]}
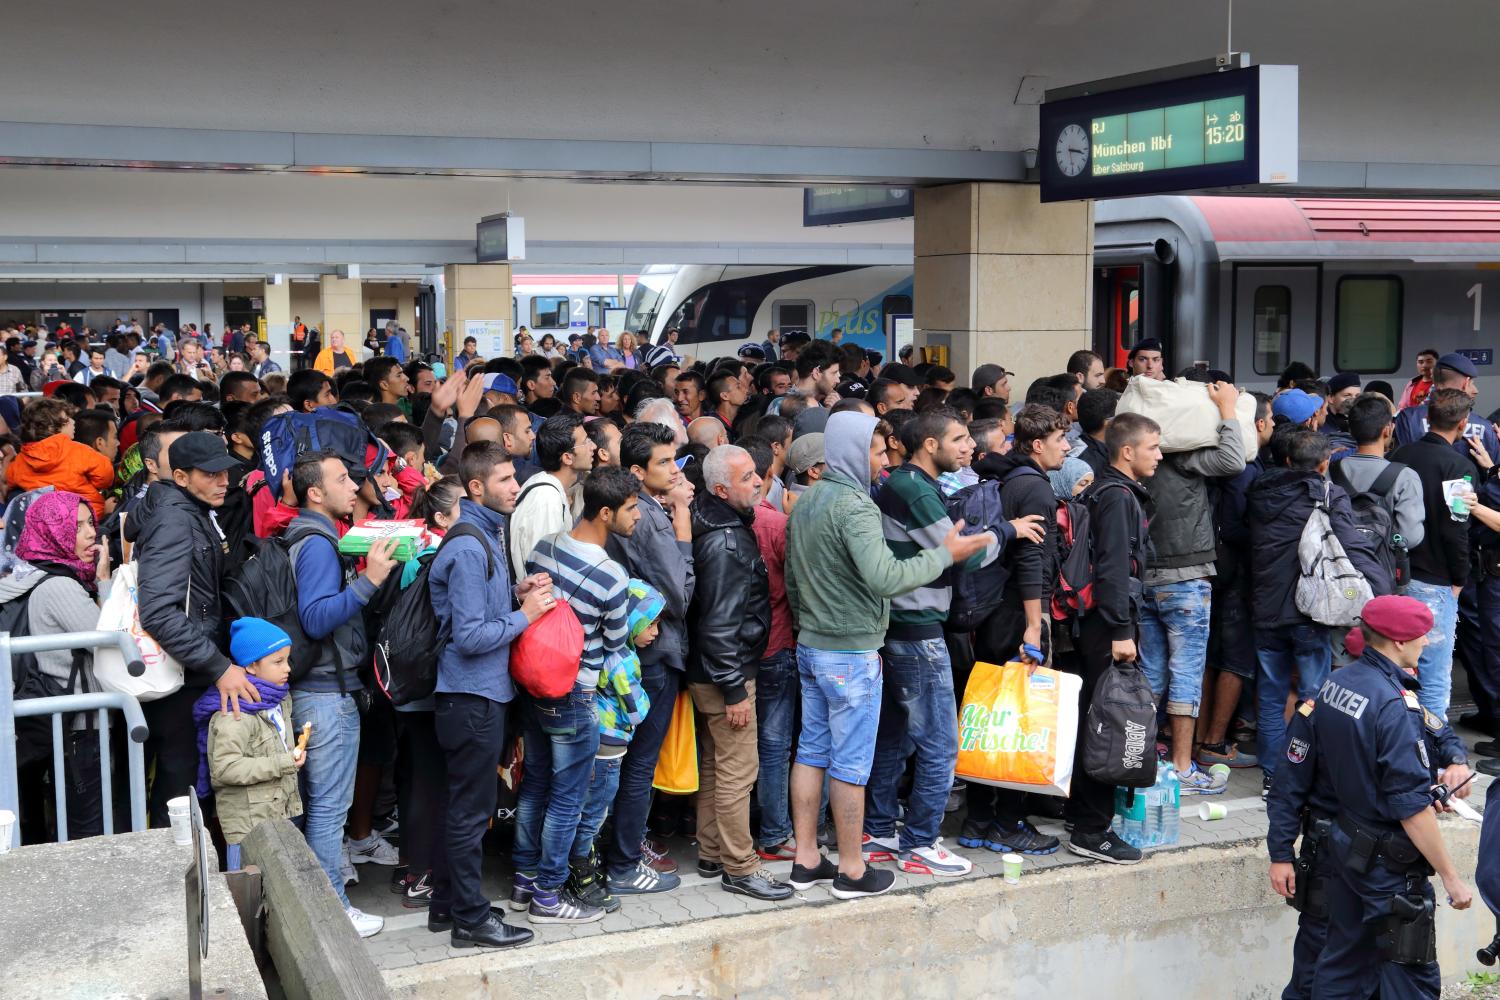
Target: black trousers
{"points": [[421, 788], [471, 731], [1091, 804], [173, 746]]}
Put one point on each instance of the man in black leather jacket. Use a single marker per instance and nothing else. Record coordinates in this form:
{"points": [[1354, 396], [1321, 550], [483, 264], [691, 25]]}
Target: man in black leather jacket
{"points": [[729, 623], [179, 550]]}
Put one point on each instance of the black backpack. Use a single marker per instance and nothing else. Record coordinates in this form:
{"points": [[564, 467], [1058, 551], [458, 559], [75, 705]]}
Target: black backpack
{"points": [[1375, 519], [265, 586], [409, 646], [1119, 746], [34, 733]]}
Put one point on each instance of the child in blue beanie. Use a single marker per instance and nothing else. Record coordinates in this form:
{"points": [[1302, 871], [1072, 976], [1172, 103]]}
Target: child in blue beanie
{"points": [[251, 758]]}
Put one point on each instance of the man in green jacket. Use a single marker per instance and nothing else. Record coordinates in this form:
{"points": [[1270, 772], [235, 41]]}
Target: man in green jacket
{"points": [[840, 578]]}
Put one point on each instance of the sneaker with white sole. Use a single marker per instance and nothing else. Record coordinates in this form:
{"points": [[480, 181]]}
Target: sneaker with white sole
{"points": [[935, 860], [642, 880], [1197, 781], [418, 893], [878, 850], [365, 924], [374, 849], [1106, 846], [561, 907]]}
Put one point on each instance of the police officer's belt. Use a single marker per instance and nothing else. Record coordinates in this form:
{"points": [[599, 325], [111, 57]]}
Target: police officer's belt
{"points": [[1392, 847]]}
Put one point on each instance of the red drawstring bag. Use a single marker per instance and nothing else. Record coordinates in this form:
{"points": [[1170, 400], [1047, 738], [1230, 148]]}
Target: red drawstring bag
{"points": [[544, 658]]}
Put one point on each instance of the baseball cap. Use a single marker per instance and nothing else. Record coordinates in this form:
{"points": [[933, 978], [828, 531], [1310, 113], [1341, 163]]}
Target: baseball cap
{"points": [[851, 388], [986, 376], [1459, 363], [805, 452], [200, 450], [897, 372], [500, 382], [1296, 405]]}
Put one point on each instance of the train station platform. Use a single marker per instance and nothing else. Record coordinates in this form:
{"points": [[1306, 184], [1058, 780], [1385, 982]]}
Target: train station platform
{"points": [[1199, 914]]}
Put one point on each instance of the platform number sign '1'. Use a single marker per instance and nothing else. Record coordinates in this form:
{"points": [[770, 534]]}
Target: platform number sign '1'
{"points": [[1236, 128]]}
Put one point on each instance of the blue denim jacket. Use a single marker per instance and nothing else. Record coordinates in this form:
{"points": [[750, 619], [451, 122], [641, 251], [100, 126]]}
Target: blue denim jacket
{"points": [[480, 631]]}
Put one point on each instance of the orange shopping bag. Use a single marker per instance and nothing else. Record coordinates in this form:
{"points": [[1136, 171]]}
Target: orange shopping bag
{"points": [[677, 767], [1017, 731]]}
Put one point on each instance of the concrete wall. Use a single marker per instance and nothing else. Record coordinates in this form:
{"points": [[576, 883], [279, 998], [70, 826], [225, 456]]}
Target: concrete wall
{"points": [[1199, 924]]}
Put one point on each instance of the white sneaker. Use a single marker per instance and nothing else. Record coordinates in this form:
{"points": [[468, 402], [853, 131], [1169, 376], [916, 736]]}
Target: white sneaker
{"points": [[365, 924], [935, 860], [346, 867], [373, 849]]}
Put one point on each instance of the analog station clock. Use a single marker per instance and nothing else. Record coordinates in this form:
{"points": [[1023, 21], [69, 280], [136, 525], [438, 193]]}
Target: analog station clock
{"points": [[1072, 150]]}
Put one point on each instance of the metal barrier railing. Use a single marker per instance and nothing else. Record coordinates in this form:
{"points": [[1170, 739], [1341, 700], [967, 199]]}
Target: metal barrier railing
{"points": [[57, 707]]}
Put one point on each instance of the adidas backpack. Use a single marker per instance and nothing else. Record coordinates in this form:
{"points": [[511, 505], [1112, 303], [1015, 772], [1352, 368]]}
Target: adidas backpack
{"points": [[1119, 743]]}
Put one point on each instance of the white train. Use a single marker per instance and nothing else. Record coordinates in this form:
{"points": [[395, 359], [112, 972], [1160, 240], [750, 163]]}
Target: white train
{"points": [[560, 304]]}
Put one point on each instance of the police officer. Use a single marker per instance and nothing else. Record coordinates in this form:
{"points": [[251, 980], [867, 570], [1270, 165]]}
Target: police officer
{"points": [[1303, 798], [1384, 840]]}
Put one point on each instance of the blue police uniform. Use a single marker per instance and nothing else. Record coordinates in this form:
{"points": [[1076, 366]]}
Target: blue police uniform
{"points": [[1487, 869], [1371, 739], [1302, 798]]}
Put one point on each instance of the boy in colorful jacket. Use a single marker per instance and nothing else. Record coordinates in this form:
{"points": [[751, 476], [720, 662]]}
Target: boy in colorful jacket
{"points": [[622, 705]]}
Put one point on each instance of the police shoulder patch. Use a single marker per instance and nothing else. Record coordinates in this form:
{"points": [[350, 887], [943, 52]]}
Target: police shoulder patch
{"points": [[1432, 721], [1296, 750], [1422, 754]]}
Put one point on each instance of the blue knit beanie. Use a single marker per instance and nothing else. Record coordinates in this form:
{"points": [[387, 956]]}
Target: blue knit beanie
{"points": [[251, 639]]}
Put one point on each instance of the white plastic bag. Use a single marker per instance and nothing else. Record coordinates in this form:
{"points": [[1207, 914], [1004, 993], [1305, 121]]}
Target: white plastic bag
{"points": [[121, 613], [1189, 419]]}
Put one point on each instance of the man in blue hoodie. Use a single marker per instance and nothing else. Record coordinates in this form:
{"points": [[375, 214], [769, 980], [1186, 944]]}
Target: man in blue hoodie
{"points": [[330, 606], [471, 596]]}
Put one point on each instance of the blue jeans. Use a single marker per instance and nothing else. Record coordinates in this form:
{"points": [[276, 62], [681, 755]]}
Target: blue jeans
{"points": [[327, 778], [1435, 670], [917, 709], [1174, 642], [776, 695], [633, 800], [840, 711], [603, 783], [1282, 650], [561, 736]]}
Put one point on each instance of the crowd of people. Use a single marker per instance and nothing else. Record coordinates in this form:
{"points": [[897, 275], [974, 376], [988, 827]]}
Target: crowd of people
{"points": [[771, 534]]}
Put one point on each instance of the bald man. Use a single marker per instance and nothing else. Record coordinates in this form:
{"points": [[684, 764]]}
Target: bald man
{"points": [[708, 431], [477, 429]]}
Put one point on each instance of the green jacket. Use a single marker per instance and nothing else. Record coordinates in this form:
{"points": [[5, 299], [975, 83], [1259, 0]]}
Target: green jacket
{"points": [[252, 772], [840, 574]]}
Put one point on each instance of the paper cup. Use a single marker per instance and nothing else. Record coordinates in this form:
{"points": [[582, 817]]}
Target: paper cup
{"points": [[177, 805], [1012, 863], [1212, 810], [182, 820], [7, 828], [1220, 769]]}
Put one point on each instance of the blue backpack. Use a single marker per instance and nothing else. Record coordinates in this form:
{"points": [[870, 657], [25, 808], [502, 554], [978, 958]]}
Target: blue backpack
{"points": [[977, 593], [288, 435]]}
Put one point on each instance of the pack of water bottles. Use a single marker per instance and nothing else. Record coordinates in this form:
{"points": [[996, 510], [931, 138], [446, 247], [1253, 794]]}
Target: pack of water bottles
{"points": [[1152, 816]]}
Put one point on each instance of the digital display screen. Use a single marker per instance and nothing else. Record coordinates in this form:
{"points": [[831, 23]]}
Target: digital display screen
{"points": [[491, 241], [1228, 129], [837, 206], [1185, 135]]}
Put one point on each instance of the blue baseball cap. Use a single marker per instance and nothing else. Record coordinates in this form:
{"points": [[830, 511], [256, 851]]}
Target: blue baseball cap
{"points": [[1459, 363], [500, 382], [1296, 405]]}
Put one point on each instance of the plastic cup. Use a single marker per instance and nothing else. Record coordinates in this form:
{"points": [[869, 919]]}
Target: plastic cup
{"points": [[1013, 863], [1210, 811], [1220, 769], [7, 827], [182, 820]]}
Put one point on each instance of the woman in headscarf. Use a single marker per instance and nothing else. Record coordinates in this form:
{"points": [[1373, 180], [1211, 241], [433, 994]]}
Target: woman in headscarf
{"points": [[58, 578], [1073, 478]]}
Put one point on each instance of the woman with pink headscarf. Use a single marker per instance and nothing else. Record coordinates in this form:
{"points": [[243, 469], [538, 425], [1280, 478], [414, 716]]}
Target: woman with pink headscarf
{"points": [[61, 565]]}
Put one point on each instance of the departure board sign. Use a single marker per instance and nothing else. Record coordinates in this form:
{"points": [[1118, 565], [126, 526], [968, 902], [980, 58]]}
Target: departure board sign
{"points": [[1229, 129], [500, 238]]}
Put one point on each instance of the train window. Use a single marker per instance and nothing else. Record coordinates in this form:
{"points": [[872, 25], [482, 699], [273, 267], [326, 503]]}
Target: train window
{"points": [[1273, 328], [793, 315], [597, 305], [1367, 324], [549, 312]]}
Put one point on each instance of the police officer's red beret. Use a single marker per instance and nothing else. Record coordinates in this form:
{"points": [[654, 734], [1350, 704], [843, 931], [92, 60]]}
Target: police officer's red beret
{"points": [[1400, 619]]}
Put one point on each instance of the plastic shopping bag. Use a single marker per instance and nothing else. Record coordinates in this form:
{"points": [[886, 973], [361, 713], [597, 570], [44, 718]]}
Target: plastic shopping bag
{"points": [[677, 767], [544, 658], [121, 613], [1018, 731]]}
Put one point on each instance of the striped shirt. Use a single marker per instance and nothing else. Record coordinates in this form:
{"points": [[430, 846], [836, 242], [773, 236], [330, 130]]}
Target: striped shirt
{"points": [[595, 587], [912, 518]]}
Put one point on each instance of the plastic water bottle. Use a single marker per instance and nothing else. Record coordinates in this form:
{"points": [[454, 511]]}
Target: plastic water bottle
{"points": [[1456, 508], [1171, 807], [1131, 816], [1151, 826]]}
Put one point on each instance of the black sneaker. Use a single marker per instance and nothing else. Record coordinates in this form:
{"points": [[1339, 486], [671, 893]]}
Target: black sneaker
{"points": [[709, 869], [561, 907], [586, 882], [418, 893], [1265, 787], [874, 882], [1104, 846], [971, 834], [1023, 838], [803, 878], [759, 884]]}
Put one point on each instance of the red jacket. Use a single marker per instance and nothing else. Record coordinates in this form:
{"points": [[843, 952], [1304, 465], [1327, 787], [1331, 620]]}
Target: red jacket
{"points": [[770, 536], [63, 463]]}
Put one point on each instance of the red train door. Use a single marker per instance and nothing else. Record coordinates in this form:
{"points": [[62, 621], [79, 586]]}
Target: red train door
{"points": [[1117, 312]]}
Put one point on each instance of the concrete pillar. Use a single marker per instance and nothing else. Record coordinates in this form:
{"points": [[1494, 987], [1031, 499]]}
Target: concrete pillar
{"points": [[278, 302], [476, 300], [1002, 279], [341, 302]]}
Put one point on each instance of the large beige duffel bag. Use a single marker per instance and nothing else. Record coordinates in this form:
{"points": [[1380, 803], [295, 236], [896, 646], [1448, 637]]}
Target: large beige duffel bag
{"points": [[1189, 419]]}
